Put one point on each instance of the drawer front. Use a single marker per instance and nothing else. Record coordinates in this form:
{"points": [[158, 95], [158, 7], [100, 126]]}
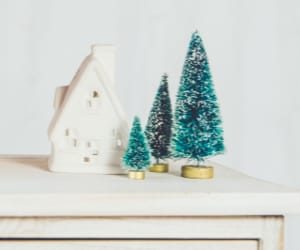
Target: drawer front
{"points": [[129, 245]]}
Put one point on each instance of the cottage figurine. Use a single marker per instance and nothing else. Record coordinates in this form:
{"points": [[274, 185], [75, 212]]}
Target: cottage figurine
{"points": [[89, 130]]}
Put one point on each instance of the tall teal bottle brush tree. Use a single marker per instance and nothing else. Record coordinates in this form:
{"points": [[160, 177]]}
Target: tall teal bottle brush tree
{"points": [[159, 127], [137, 155], [198, 133]]}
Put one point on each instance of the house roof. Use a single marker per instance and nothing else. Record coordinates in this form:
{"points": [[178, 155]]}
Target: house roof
{"points": [[100, 54]]}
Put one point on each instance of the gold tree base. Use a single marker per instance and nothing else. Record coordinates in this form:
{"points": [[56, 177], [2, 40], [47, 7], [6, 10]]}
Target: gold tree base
{"points": [[197, 172], [136, 175], [159, 168]]}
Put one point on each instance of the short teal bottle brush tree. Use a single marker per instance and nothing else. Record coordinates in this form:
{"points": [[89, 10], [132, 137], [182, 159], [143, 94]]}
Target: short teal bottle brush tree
{"points": [[159, 126], [198, 133], [137, 155]]}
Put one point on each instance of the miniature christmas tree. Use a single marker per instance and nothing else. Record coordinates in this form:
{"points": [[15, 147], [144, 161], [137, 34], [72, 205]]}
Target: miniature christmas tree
{"points": [[137, 155], [158, 129], [197, 131]]}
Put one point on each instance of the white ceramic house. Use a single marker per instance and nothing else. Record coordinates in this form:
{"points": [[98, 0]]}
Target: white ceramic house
{"points": [[89, 130]]}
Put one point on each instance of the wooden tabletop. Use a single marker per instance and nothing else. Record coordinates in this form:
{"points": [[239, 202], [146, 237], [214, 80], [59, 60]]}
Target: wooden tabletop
{"points": [[27, 188]]}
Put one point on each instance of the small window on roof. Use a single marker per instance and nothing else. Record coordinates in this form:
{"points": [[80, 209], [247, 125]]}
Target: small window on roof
{"points": [[95, 94]]}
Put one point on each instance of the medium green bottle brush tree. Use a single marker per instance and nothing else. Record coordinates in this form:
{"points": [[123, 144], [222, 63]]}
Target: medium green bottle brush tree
{"points": [[159, 126]]}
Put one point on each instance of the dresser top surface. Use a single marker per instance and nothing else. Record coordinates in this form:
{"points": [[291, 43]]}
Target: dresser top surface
{"points": [[27, 188]]}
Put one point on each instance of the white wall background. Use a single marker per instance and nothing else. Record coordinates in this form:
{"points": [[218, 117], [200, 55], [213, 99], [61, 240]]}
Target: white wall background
{"points": [[253, 47]]}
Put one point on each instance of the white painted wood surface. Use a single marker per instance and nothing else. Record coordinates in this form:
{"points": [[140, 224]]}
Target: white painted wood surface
{"points": [[27, 188], [259, 227], [44, 210], [131, 245]]}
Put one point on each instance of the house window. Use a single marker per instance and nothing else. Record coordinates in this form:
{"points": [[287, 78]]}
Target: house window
{"points": [[93, 100], [119, 143], [91, 144], [86, 159], [95, 152], [71, 132], [95, 94]]}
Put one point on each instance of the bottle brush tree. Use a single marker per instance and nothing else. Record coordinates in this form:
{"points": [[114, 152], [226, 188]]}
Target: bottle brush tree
{"points": [[197, 125], [159, 125], [137, 155]]}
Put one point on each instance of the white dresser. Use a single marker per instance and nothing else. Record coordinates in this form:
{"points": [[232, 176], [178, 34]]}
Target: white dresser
{"points": [[40, 210]]}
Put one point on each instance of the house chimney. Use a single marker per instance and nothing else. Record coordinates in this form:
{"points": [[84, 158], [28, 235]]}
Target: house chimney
{"points": [[105, 54]]}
